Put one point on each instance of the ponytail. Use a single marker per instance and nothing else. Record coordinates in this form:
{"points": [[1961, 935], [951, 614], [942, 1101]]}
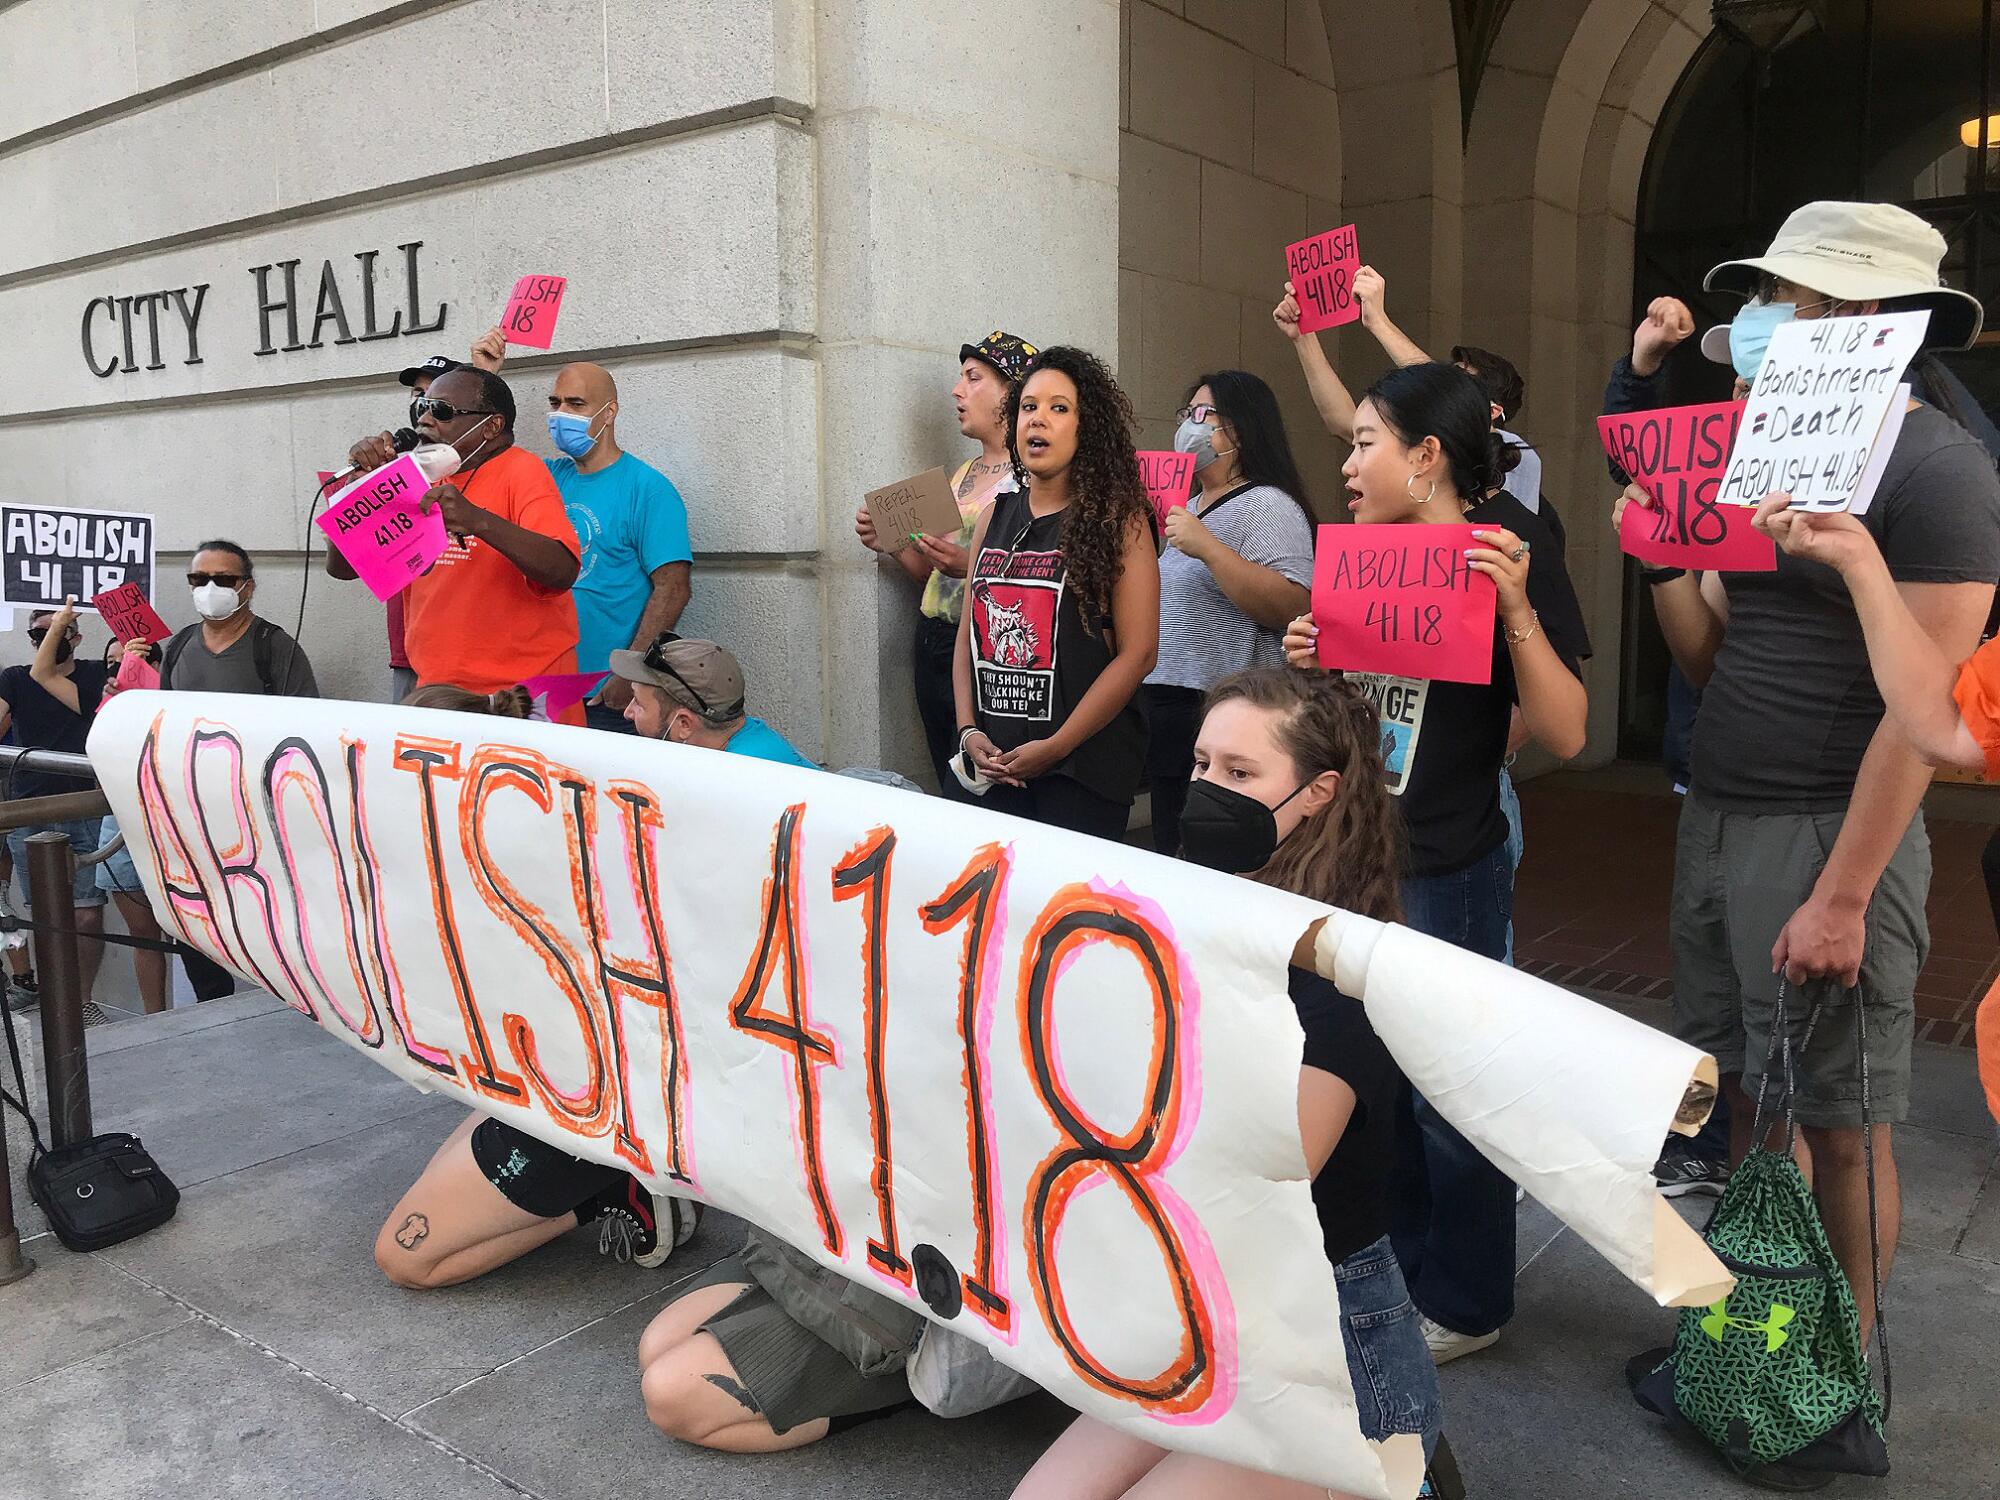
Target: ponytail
{"points": [[1350, 853], [511, 703]]}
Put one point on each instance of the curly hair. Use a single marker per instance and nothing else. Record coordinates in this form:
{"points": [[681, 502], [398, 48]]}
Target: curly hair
{"points": [[1106, 494]]}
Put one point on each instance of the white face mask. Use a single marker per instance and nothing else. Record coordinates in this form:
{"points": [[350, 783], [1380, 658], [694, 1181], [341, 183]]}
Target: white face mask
{"points": [[214, 602]]}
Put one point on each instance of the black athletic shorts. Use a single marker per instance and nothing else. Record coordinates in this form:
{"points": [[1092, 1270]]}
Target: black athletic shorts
{"points": [[535, 1176]]}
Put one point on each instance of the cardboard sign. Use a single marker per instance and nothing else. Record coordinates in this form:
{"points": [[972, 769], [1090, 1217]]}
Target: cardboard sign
{"points": [[377, 527], [560, 690], [1817, 409], [530, 317], [130, 615], [52, 553], [1168, 477], [1403, 600], [1676, 455], [1321, 271], [920, 505], [1038, 1087]]}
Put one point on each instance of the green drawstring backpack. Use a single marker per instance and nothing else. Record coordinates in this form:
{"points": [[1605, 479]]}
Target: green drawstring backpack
{"points": [[1774, 1374]]}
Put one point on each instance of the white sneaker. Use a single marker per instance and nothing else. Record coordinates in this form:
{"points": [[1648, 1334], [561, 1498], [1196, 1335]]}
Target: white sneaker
{"points": [[1447, 1345]]}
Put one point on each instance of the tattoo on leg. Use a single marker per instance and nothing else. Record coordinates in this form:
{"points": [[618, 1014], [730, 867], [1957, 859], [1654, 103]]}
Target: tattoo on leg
{"points": [[413, 1231], [736, 1393]]}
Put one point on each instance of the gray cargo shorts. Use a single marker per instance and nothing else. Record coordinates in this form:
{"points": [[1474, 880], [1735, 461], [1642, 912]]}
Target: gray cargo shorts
{"points": [[1738, 878]]}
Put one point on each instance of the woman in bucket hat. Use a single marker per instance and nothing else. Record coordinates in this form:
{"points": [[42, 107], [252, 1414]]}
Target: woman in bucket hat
{"points": [[1802, 855]]}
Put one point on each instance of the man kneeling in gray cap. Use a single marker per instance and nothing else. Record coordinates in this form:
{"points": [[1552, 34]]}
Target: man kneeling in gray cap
{"points": [[691, 692]]}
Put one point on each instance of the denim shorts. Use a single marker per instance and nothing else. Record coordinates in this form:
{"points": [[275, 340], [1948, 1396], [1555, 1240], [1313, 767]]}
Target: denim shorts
{"points": [[82, 839], [1395, 1379], [116, 874]]}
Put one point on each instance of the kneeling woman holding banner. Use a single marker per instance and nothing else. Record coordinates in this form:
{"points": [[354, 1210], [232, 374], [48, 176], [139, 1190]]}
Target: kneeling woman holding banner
{"points": [[1062, 616], [1425, 453], [1289, 791]]}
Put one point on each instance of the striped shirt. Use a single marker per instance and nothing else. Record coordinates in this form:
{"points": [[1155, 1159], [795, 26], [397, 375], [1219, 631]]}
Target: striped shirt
{"points": [[1204, 637]]}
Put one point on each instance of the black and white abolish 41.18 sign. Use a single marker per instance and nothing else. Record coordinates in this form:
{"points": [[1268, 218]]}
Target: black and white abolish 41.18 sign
{"points": [[49, 553], [1824, 409]]}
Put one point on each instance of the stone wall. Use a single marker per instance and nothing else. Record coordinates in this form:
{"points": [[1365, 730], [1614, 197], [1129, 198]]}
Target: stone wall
{"points": [[780, 219], [1230, 150]]}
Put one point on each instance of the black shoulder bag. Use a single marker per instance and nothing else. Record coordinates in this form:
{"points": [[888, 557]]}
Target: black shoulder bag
{"points": [[98, 1192]]}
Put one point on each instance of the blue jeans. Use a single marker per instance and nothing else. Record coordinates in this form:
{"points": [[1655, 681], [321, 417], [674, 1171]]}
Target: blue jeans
{"points": [[83, 835], [1452, 1211], [1516, 846], [1395, 1379]]}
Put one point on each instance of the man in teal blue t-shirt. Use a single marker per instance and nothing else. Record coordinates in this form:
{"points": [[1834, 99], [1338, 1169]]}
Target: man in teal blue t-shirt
{"points": [[632, 582], [691, 692]]}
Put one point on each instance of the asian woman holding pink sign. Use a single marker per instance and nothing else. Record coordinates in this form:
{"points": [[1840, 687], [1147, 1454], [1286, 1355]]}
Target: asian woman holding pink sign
{"points": [[1425, 453]]}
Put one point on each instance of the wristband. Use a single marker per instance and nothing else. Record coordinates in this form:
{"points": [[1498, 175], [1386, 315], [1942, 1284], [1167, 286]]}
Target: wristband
{"points": [[1661, 575], [963, 732], [1515, 638]]}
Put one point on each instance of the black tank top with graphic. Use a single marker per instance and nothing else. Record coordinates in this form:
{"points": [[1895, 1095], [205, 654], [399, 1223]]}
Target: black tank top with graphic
{"points": [[1032, 659]]}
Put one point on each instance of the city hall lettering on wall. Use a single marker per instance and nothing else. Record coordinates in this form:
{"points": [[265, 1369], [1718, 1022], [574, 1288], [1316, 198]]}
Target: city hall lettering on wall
{"points": [[122, 334]]}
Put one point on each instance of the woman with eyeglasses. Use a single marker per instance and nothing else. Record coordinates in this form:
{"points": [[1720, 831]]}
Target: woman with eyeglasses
{"points": [[1063, 608], [1425, 452], [1237, 569]]}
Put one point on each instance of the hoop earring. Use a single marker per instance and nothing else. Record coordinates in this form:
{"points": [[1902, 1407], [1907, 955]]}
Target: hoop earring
{"points": [[1425, 500]]}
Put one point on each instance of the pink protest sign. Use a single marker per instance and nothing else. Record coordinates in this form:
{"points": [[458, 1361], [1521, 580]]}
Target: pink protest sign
{"points": [[1403, 600], [1167, 477], [530, 317], [377, 527], [1321, 271], [129, 614], [561, 690], [1677, 455]]}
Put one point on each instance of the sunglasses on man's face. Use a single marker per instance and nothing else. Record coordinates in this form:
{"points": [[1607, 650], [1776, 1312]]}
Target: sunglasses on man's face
{"points": [[444, 411], [227, 580]]}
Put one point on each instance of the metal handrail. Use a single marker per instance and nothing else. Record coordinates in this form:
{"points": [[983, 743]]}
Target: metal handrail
{"points": [[50, 762]]}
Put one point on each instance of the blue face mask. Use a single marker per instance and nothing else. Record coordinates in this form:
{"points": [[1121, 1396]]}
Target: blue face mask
{"points": [[1750, 334], [571, 434], [1197, 438]]}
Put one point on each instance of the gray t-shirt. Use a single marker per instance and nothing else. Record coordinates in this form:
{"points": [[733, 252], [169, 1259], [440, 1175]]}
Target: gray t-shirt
{"points": [[1792, 705], [1204, 637], [234, 668]]}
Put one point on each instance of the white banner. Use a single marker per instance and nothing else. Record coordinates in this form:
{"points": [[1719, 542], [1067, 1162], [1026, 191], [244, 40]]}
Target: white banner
{"points": [[911, 1038]]}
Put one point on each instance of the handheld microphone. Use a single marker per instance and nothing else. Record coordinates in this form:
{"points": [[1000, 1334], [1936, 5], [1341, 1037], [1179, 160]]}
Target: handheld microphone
{"points": [[403, 440]]}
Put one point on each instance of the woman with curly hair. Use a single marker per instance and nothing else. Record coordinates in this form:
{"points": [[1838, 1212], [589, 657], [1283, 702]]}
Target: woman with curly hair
{"points": [[1064, 616]]}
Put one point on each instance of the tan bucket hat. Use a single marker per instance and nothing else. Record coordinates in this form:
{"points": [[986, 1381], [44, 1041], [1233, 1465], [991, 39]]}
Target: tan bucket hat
{"points": [[1856, 252]]}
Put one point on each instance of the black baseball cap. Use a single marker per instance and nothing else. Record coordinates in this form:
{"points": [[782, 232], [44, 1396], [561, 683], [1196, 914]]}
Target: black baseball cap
{"points": [[1006, 352], [435, 366]]}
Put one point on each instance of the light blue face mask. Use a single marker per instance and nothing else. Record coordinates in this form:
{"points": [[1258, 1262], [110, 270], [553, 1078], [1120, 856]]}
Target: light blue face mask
{"points": [[571, 433], [1197, 438], [1750, 334]]}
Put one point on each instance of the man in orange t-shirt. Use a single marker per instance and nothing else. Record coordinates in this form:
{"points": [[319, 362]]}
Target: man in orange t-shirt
{"points": [[495, 609]]}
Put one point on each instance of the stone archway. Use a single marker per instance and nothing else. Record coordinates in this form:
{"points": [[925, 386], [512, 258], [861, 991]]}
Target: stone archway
{"points": [[1402, 179], [1553, 161]]}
